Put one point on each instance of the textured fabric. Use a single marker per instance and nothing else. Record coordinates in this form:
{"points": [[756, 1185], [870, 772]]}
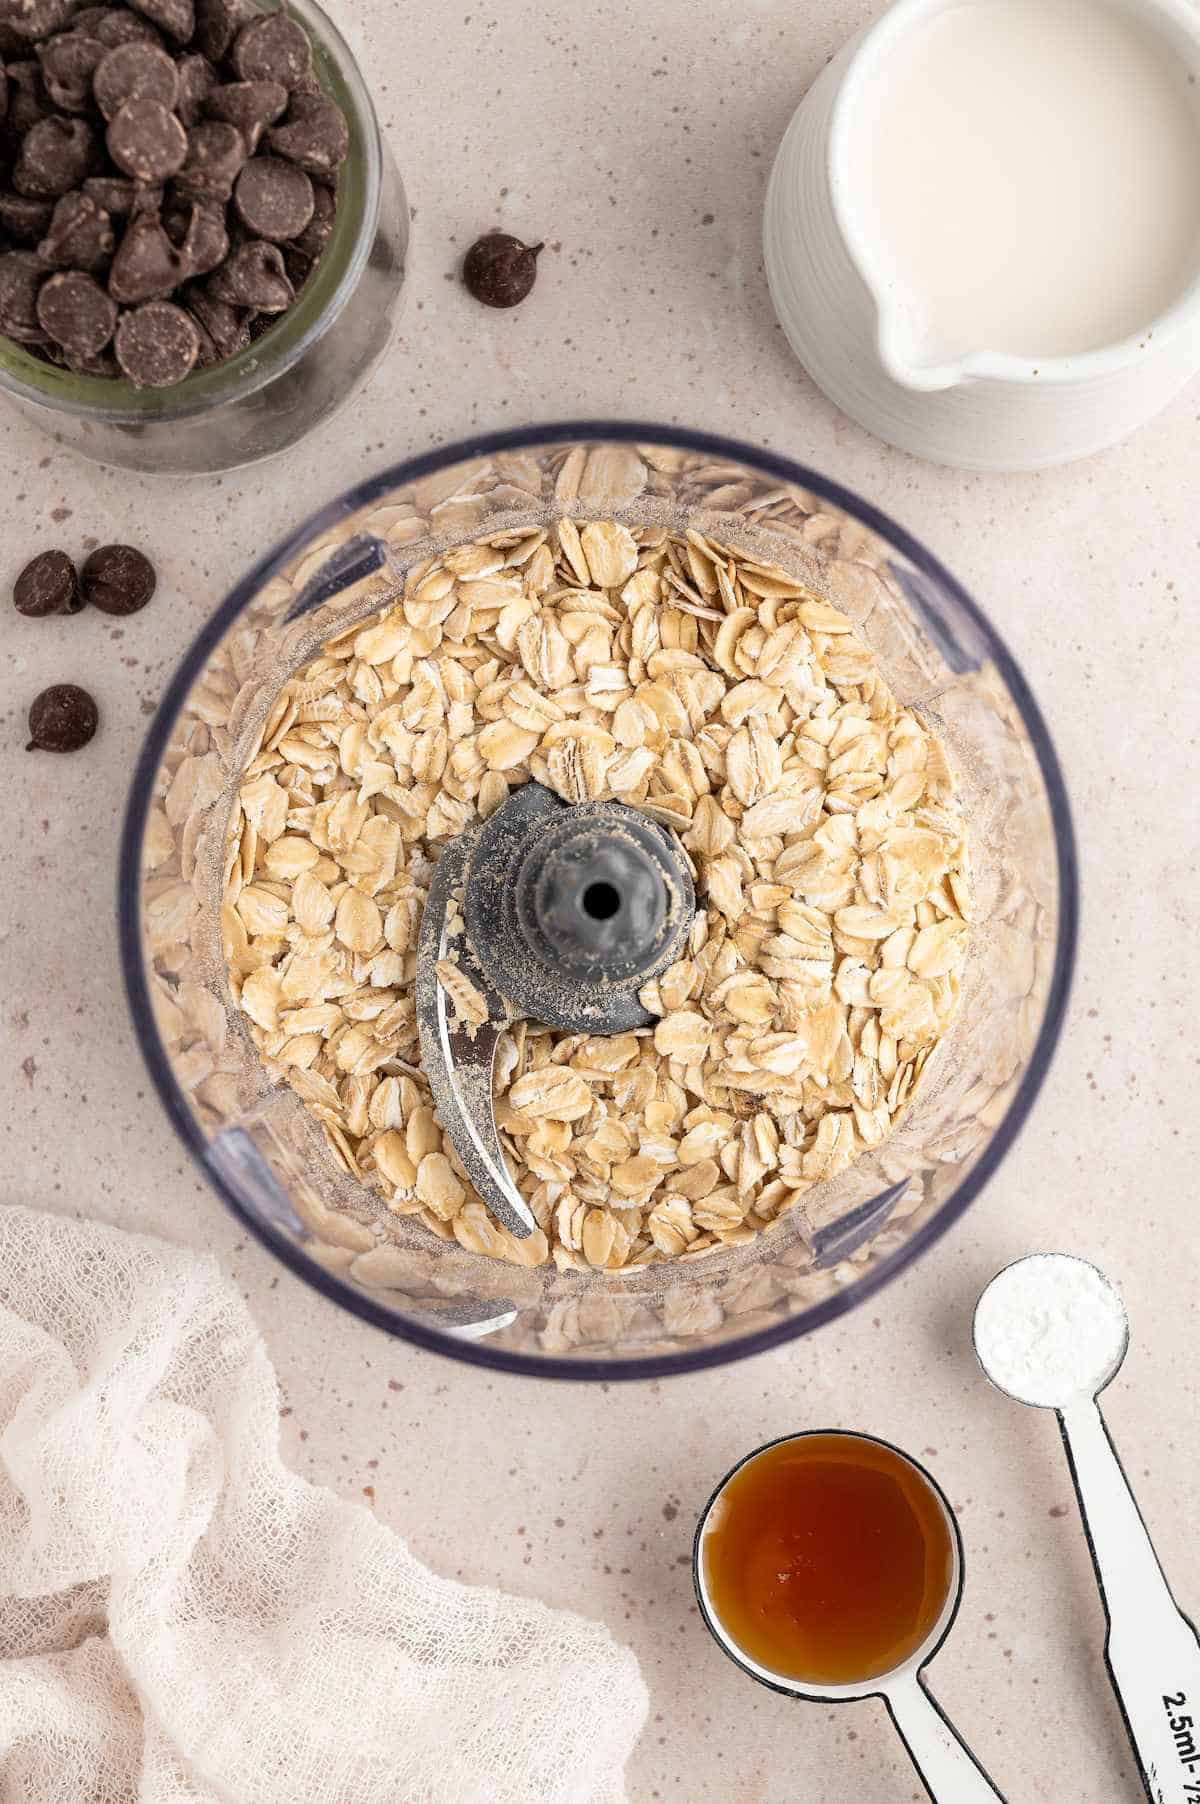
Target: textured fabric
{"points": [[183, 1620]]}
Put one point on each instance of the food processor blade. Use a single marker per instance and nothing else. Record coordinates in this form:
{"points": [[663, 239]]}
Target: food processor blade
{"points": [[551, 911]]}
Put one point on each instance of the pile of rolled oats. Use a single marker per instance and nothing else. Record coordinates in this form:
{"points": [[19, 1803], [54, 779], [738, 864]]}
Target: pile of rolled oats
{"points": [[735, 706]]}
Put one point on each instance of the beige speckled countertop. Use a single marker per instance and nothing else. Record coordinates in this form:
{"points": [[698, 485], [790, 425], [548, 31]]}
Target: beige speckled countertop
{"points": [[636, 138]]}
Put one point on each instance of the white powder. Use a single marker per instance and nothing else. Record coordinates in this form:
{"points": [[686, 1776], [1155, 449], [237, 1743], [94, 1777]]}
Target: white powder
{"points": [[1050, 1330]]}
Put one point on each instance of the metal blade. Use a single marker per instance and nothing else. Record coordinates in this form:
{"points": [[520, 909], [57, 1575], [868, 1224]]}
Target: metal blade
{"points": [[458, 1060]]}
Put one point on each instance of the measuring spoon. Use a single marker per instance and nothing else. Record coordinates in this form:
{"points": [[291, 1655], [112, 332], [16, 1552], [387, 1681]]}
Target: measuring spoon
{"points": [[1151, 1648], [947, 1768]]}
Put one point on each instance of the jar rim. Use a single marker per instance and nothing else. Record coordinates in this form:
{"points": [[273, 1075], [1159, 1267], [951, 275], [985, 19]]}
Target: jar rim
{"points": [[115, 401]]}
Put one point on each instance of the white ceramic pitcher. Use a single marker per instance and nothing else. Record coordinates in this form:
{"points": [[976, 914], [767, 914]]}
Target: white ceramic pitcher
{"points": [[987, 410]]}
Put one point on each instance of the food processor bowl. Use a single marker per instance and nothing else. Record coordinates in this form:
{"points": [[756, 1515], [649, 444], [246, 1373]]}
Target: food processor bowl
{"points": [[262, 1150]]}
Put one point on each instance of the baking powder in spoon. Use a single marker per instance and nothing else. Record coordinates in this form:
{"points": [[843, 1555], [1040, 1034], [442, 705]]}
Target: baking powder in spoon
{"points": [[1050, 1330]]}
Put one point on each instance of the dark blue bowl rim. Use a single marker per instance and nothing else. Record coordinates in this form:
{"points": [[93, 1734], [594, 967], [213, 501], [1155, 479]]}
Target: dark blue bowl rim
{"points": [[137, 990]]}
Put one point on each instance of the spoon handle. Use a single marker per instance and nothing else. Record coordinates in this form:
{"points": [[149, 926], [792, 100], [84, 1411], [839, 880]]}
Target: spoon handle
{"points": [[947, 1768], [1151, 1649]]}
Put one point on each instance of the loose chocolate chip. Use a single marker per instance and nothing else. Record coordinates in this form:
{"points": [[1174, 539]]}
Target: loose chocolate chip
{"points": [[215, 153], [120, 197], [24, 219], [147, 141], [62, 718], [217, 24], [314, 135], [135, 72], [21, 276], [121, 27], [33, 20], [157, 345], [499, 270], [197, 229], [47, 585], [274, 48], [76, 313], [250, 105], [118, 580], [147, 266], [55, 157], [223, 329], [79, 236], [255, 277], [197, 78], [68, 63], [312, 240], [274, 199], [176, 17]]}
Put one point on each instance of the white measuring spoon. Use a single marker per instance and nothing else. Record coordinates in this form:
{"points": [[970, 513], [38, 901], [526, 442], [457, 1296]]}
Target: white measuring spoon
{"points": [[947, 1768], [1151, 1648]]}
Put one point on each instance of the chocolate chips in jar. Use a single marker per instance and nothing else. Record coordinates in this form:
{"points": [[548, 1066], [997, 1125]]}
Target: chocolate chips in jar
{"points": [[168, 180]]}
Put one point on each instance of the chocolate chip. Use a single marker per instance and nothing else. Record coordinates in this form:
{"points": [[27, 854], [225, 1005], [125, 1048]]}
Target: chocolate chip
{"points": [[62, 718], [120, 197], [314, 135], [79, 236], [147, 141], [157, 345], [55, 157], [197, 78], [135, 72], [21, 276], [298, 266], [24, 219], [68, 63], [223, 329], [76, 313], [121, 27], [274, 199], [217, 24], [89, 19], [147, 266], [254, 276], [32, 20], [275, 48], [118, 580], [28, 100], [312, 240], [102, 364], [215, 153], [250, 105], [499, 270], [197, 229], [47, 585], [176, 17]]}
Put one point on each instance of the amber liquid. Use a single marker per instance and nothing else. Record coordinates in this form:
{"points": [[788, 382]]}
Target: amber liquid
{"points": [[828, 1559]]}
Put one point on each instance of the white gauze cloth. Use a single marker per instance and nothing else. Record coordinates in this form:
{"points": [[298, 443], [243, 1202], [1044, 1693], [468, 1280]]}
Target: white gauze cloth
{"points": [[183, 1620]]}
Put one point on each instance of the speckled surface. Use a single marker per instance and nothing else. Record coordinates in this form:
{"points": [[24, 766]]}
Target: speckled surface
{"points": [[636, 139]]}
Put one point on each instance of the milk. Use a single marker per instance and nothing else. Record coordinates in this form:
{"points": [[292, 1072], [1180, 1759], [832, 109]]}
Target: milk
{"points": [[1024, 176]]}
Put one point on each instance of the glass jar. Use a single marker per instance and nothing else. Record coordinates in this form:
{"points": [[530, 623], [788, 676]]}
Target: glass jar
{"points": [[263, 1151], [302, 368]]}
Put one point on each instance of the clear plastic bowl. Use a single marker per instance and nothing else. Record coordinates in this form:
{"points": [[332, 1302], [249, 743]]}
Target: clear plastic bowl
{"points": [[263, 1152]]}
